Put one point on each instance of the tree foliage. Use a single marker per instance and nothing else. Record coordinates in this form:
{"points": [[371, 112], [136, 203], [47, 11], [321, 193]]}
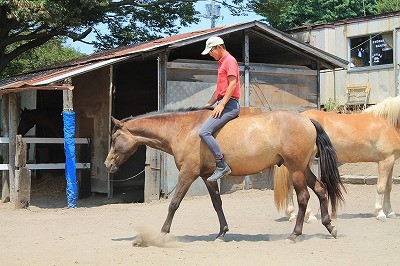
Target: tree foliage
{"points": [[286, 14], [26, 24], [47, 54], [383, 6]]}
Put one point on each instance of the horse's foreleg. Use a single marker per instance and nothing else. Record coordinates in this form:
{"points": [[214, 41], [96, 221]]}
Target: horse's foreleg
{"points": [[184, 182], [384, 186], [300, 186], [320, 191], [217, 203]]}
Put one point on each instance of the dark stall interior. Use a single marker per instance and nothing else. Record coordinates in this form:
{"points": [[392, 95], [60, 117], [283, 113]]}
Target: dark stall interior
{"points": [[135, 93]]}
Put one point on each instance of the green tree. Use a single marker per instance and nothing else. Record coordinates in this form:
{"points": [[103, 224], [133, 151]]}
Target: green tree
{"points": [[26, 24], [47, 54], [286, 14], [383, 6]]}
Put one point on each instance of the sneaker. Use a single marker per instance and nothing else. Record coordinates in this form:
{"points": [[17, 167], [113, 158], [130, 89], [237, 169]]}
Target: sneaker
{"points": [[222, 170]]}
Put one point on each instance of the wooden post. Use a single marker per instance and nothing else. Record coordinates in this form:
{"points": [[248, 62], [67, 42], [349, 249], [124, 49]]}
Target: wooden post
{"points": [[5, 181], [22, 176], [12, 132], [152, 180]]}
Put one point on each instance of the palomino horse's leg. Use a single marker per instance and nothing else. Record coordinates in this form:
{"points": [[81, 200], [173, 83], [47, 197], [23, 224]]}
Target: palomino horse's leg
{"points": [[384, 187], [320, 191], [300, 186], [184, 182], [290, 204], [217, 203]]}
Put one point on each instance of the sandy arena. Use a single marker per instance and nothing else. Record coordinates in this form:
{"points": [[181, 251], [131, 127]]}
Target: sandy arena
{"points": [[100, 232]]}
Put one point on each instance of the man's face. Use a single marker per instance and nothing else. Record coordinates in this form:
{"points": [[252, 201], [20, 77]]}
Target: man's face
{"points": [[216, 52]]}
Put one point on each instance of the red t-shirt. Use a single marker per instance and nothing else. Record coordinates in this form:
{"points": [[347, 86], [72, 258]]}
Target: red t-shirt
{"points": [[227, 66]]}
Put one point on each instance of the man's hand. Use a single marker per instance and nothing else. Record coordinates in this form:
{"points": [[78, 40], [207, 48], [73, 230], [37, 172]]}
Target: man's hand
{"points": [[216, 113]]}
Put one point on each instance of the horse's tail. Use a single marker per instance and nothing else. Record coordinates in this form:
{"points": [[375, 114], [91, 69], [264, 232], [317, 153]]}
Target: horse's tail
{"points": [[281, 186], [329, 167]]}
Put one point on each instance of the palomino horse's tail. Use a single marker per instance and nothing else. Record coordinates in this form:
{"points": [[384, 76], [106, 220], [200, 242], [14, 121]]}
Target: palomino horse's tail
{"points": [[329, 173], [329, 167], [281, 186]]}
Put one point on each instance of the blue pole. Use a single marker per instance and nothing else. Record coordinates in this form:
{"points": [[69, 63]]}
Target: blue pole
{"points": [[70, 159]]}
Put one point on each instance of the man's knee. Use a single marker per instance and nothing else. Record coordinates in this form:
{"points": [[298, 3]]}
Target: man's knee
{"points": [[203, 134]]}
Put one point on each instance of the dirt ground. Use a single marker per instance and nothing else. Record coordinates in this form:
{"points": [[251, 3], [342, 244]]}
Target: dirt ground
{"points": [[101, 232]]}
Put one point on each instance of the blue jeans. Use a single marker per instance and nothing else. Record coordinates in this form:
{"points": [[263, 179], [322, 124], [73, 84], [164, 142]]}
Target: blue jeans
{"points": [[212, 124]]}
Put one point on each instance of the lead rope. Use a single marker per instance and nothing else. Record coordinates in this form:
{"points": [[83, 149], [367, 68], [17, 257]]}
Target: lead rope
{"points": [[129, 178]]}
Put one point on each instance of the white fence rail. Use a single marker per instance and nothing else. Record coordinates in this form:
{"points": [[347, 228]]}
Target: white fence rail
{"points": [[49, 166]]}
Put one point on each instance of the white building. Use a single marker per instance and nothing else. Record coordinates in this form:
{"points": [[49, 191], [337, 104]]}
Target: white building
{"points": [[372, 46]]}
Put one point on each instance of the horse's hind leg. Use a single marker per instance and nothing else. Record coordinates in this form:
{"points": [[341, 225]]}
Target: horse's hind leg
{"points": [[300, 186], [384, 187], [320, 191], [290, 211], [217, 203]]}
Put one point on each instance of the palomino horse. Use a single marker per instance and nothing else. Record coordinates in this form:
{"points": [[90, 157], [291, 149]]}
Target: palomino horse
{"points": [[371, 136], [250, 143]]}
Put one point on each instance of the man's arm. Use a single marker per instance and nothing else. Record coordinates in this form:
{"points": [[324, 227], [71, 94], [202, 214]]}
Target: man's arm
{"points": [[229, 91], [212, 100]]}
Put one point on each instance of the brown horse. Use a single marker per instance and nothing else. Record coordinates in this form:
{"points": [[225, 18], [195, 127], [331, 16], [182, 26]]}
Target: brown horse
{"points": [[250, 143], [371, 136], [51, 125]]}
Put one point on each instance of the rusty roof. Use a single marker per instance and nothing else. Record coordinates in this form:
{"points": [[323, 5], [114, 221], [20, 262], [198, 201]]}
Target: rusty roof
{"points": [[344, 21], [43, 77]]}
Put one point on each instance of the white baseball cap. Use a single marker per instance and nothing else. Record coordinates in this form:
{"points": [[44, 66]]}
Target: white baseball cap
{"points": [[211, 42]]}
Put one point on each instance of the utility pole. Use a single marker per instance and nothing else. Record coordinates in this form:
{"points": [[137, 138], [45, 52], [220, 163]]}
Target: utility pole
{"points": [[213, 12]]}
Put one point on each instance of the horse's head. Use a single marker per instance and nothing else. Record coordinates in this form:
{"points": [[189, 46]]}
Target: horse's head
{"points": [[26, 121], [123, 145]]}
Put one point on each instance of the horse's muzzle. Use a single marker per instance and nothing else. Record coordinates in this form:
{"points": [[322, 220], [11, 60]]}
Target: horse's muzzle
{"points": [[110, 167]]}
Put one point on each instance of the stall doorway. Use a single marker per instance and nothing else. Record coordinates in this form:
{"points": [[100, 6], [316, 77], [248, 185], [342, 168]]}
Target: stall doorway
{"points": [[135, 93]]}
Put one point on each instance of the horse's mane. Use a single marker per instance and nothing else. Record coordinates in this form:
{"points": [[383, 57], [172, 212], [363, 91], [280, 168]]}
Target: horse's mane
{"points": [[389, 107], [168, 111]]}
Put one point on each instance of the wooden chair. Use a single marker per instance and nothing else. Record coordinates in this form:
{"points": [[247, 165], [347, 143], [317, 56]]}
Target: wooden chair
{"points": [[357, 94]]}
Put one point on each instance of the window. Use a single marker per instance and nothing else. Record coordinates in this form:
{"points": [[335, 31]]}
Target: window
{"points": [[371, 50]]}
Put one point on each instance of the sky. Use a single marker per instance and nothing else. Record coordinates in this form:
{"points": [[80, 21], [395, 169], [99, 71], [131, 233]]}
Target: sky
{"points": [[225, 19]]}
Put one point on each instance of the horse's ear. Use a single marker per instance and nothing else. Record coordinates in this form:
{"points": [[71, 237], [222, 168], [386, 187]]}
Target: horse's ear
{"points": [[116, 122]]}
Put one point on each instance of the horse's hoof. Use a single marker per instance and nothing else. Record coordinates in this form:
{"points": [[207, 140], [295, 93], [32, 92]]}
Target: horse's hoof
{"points": [[293, 218], [381, 217], [289, 241], [140, 242], [219, 240], [391, 215], [334, 232]]}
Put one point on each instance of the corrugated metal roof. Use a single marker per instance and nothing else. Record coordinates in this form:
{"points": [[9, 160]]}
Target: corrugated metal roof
{"points": [[345, 21], [78, 66]]}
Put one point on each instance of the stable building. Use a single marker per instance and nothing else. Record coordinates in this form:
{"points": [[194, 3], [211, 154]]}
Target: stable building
{"points": [[276, 72]]}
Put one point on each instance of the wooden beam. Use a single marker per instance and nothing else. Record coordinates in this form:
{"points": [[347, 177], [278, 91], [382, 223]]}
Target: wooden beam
{"points": [[152, 183], [22, 176], [162, 79], [110, 185], [48, 166], [246, 57], [47, 140], [67, 101], [5, 181], [12, 132], [35, 88]]}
